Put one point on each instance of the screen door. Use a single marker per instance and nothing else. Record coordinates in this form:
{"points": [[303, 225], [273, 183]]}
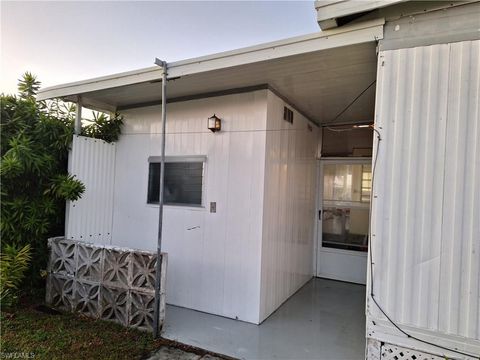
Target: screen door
{"points": [[343, 219]]}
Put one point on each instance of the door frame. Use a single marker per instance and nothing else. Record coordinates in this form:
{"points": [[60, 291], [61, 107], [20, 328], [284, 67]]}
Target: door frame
{"points": [[319, 207]]}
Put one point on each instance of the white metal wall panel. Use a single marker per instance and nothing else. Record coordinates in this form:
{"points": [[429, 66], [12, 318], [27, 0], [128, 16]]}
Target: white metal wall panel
{"points": [[426, 207], [327, 10], [92, 161], [214, 258], [289, 206], [419, 27], [460, 246]]}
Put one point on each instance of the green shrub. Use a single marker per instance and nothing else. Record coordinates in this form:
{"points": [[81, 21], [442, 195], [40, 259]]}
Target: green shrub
{"points": [[103, 127], [14, 262], [35, 139]]}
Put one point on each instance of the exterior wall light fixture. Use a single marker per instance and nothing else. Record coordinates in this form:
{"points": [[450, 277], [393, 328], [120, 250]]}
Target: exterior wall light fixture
{"points": [[214, 123]]}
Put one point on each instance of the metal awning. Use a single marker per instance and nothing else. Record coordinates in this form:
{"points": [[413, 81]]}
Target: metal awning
{"points": [[319, 74]]}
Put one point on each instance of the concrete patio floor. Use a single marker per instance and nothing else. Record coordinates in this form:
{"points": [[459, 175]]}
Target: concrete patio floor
{"points": [[171, 353], [324, 320]]}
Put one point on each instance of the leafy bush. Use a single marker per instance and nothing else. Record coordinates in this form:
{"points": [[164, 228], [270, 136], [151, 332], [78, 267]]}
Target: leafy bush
{"points": [[103, 127], [13, 265], [35, 139]]}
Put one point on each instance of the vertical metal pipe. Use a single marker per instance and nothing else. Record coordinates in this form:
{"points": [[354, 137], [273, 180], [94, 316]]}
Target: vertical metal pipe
{"points": [[78, 117], [156, 313]]}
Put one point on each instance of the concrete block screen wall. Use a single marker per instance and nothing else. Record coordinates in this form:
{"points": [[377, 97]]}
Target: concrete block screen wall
{"points": [[216, 259], [105, 282]]}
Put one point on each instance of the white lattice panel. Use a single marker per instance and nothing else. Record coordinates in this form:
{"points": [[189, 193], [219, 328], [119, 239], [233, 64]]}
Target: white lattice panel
{"points": [[393, 352]]}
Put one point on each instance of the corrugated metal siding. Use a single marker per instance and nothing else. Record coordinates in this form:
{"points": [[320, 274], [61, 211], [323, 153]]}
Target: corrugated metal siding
{"points": [[92, 161], [460, 251], [426, 216], [289, 206]]}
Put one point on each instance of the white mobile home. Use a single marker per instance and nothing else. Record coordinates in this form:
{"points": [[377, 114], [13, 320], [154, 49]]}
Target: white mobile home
{"points": [[349, 154]]}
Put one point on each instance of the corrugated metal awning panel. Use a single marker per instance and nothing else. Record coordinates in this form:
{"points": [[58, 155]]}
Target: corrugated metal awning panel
{"points": [[426, 216]]}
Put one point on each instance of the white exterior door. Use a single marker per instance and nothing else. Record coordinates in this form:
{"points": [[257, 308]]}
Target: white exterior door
{"points": [[343, 214]]}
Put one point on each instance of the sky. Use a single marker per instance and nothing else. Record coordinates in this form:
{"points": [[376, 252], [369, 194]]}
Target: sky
{"points": [[67, 41]]}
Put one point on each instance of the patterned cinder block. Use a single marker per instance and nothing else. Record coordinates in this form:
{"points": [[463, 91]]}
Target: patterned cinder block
{"points": [[141, 310], [116, 268], [89, 262], [60, 291], [105, 282], [62, 256], [114, 305], [143, 271], [87, 298]]}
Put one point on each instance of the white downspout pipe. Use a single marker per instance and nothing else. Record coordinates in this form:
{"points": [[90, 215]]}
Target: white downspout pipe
{"points": [[156, 313]]}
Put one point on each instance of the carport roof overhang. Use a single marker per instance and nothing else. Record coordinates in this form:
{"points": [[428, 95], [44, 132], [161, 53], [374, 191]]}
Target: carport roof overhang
{"points": [[319, 74]]}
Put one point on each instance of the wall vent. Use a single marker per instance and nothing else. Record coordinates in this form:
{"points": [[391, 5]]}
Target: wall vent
{"points": [[287, 115]]}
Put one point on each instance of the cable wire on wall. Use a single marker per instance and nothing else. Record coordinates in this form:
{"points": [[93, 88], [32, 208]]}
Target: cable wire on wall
{"points": [[372, 295]]}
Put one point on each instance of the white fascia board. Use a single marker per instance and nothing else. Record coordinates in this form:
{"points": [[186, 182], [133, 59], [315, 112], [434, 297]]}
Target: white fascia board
{"points": [[334, 9], [100, 83], [347, 35]]}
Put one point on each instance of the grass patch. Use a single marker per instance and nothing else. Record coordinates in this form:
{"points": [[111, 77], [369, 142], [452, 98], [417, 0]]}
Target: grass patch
{"points": [[36, 331], [27, 330]]}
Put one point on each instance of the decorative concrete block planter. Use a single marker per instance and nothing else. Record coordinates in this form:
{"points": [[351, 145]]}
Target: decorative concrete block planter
{"points": [[105, 282]]}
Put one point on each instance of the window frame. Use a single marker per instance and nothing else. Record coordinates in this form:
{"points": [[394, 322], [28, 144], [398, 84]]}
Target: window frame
{"points": [[179, 159]]}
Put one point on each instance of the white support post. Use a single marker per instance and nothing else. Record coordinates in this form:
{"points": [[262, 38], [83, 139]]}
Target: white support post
{"points": [[156, 328], [78, 117]]}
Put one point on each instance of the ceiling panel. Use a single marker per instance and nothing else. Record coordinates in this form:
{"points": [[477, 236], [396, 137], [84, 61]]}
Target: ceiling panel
{"points": [[320, 84]]}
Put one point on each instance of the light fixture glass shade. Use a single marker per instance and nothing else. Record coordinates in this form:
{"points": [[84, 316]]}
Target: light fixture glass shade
{"points": [[214, 123]]}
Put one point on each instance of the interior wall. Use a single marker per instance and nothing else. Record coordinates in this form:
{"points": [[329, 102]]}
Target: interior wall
{"points": [[214, 258], [289, 205]]}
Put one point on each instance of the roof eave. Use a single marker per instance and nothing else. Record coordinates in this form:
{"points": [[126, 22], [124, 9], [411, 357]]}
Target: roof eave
{"points": [[347, 35]]}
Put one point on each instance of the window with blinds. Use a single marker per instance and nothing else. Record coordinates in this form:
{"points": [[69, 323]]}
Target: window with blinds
{"points": [[183, 183]]}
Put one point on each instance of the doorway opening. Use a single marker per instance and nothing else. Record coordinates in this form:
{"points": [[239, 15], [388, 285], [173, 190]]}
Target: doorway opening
{"points": [[343, 203]]}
